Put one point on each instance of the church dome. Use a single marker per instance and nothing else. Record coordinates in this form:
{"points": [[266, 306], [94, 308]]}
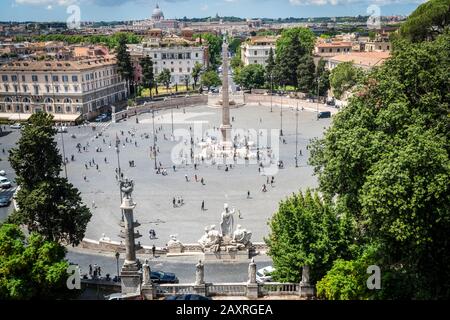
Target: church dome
{"points": [[157, 14]]}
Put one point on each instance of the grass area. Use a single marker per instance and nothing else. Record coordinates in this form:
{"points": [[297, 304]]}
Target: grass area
{"points": [[163, 90]]}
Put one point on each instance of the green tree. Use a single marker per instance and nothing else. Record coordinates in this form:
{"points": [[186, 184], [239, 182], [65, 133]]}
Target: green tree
{"points": [[305, 37], [305, 73], [427, 22], [234, 45], [46, 203], [215, 48], [164, 77], [36, 157], [30, 268], [307, 231], [124, 65], [196, 72], [148, 77], [270, 68], [344, 77], [385, 160], [287, 62], [210, 79], [323, 76], [251, 76]]}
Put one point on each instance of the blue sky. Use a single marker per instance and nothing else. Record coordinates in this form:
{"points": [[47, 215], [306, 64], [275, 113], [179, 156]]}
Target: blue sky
{"points": [[107, 10]]}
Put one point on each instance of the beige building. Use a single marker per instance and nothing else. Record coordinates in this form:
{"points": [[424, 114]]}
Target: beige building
{"points": [[67, 89], [330, 49], [256, 50], [364, 60]]}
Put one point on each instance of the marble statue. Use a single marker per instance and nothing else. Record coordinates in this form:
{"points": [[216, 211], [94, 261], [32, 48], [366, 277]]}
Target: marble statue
{"points": [[211, 239], [242, 236], [127, 187], [227, 222], [173, 241], [146, 273], [199, 273]]}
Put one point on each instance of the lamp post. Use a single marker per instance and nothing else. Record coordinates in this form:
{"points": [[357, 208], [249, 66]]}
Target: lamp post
{"points": [[271, 91], [64, 151], [318, 81], [117, 260], [296, 137], [171, 109], [281, 117], [154, 137]]}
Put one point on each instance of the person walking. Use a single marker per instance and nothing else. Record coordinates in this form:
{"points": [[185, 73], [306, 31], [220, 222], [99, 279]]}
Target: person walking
{"points": [[186, 177], [203, 205], [202, 181], [174, 202], [248, 194], [90, 270], [153, 251]]}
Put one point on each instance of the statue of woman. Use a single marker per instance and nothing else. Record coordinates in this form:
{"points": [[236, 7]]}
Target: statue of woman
{"points": [[227, 222]]}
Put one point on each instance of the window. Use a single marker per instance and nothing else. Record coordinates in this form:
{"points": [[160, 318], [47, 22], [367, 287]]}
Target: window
{"points": [[58, 109], [155, 56], [188, 69], [338, 50], [65, 78], [180, 70], [171, 70], [163, 56], [57, 89], [47, 88], [68, 109], [25, 88], [180, 56], [27, 108], [16, 88], [75, 88], [74, 78], [46, 78], [387, 47], [55, 78], [13, 78], [34, 78], [256, 53], [171, 62], [6, 87], [36, 90], [66, 88], [196, 54], [322, 50], [188, 55], [23, 78], [4, 78], [256, 62], [331, 50]]}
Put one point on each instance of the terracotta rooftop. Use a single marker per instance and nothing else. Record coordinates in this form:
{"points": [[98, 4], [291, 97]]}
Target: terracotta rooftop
{"points": [[76, 65], [333, 44], [369, 59]]}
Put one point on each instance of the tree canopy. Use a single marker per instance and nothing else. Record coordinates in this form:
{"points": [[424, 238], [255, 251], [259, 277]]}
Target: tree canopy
{"points": [[30, 268], [251, 76], [385, 160], [210, 79], [344, 77], [427, 22]]}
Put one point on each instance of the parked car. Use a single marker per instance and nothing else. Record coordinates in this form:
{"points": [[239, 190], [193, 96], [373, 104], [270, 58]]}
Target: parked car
{"points": [[123, 296], [2, 173], [5, 183], [187, 297], [264, 274], [5, 199], [61, 129], [324, 114], [163, 277], [16, 126]]}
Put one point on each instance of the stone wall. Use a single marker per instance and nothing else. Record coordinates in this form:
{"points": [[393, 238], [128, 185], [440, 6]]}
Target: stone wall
{"points": [[179, 102]]}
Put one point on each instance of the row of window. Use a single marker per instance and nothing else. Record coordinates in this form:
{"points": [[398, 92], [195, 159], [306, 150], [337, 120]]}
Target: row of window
{"points": [[26, 108], [56, 88], [55, 78], [180, 56], [337, 50]]}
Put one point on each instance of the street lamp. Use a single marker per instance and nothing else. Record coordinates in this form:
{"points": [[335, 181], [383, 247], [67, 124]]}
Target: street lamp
{"points": [[318, 81], [117, 260], [271, 91], [154, 137], [296, 137], [171, 110], [281, 117]]}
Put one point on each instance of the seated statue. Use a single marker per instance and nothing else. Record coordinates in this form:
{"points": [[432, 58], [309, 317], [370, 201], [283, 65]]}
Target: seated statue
{"points": [[241, 237], [174, 241], [211, 239]]}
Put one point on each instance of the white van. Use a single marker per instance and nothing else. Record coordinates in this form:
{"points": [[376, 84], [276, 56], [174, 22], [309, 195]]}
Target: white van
{"points": [[4, 183]]}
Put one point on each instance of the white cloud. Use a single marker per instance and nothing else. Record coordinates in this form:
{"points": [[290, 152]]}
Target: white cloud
{"points": [[337, 2], [47, 2]]}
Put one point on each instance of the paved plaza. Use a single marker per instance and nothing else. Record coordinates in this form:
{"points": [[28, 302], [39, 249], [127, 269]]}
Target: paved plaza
{"points": [[154, 193]]}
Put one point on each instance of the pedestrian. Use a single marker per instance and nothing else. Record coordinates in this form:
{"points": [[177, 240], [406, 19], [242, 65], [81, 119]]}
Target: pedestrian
{"points": [[106, 160], [86, 166], [239, 215], [174, 202], [174, 168], [301, 152], [202, 181], [90, 164], [203, 205], [93, 203], [84, 177], [99, 271], [195, 176], [186, 177], [248, 194], [96, 166], [90, 270], [153, 250]]}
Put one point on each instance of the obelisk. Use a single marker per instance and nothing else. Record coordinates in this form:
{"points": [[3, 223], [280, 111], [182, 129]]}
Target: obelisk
{"points": [[130, 275], [225, 128]]}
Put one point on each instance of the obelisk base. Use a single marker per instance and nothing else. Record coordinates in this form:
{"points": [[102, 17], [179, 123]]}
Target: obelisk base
{"points": [[131, 278]]}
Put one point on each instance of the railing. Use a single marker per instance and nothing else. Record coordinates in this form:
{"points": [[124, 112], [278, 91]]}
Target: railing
{"points": [[170, 289], [278, 288], [227, 289]]}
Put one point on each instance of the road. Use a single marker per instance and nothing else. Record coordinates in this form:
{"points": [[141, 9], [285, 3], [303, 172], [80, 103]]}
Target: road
{"points": [[183, 267]]}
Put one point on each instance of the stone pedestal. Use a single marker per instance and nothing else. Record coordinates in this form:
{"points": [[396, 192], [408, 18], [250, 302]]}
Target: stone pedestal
{"points": [[148, 291], [306, 289], [131, 279], [200, 289], [229, 256], [252, 291]]}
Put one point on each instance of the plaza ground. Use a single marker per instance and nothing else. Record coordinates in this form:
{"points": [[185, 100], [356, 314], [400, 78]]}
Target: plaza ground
{"points": [[153, 192]]}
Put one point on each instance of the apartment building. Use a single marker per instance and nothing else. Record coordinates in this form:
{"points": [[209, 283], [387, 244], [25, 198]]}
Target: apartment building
{"points": [[67, 89], [179, 57], [256, 50], [330, 49]]}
